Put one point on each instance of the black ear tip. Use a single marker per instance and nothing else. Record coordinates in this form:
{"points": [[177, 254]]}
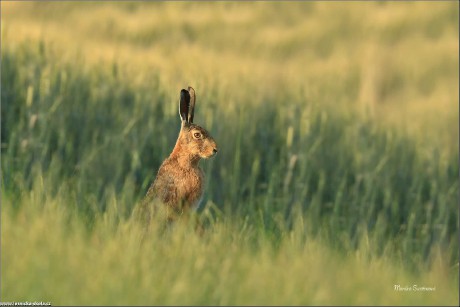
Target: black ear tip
{"points": [[185, 94]]}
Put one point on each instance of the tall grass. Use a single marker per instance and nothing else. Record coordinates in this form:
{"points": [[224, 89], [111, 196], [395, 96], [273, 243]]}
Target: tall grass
{"points": [[307, 188], [92, 130], [49, 255]]}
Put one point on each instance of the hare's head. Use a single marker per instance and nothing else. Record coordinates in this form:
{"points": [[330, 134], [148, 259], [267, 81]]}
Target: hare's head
{"points": [[193, 139]]}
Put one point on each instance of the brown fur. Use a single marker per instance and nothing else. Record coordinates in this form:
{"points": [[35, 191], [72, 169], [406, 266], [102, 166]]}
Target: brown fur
{"points": [[178, 186]]}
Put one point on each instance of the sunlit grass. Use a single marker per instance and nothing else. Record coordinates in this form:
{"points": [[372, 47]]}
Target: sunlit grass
{"points": [[265, 45], [53, 258]]}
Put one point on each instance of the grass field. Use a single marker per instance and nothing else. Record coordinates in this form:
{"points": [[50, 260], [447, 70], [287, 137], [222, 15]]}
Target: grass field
{"points": [[337, 173]]}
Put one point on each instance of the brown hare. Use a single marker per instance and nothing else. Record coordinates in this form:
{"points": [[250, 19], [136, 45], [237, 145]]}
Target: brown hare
{"points": [[178, 186]]}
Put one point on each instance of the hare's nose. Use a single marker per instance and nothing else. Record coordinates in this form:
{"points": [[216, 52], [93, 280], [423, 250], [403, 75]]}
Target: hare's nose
{"points": [[214, 151]]}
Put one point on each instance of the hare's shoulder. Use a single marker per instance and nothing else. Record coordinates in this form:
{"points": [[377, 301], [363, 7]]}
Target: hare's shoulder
{"points": [[174, 183], [187, 179]]}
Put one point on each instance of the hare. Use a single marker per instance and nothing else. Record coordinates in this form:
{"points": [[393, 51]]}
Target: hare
{"points": [[178, 186]]}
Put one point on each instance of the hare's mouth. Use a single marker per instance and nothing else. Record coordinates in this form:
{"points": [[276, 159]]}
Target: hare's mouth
{"points": [[211, 154]]}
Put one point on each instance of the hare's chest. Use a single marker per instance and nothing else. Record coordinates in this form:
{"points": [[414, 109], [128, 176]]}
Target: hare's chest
{"points": [[191, 188]]}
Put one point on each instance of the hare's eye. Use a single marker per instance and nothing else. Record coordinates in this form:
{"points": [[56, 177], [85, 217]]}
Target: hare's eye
{"points": [[197, 135]]}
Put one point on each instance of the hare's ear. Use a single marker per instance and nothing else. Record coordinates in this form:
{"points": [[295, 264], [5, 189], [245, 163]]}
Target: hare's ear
{"points": [[184, 105], [191, 109]]}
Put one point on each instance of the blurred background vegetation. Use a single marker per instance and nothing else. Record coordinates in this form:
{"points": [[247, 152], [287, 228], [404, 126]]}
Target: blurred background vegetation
{"points": [[337, 125]]}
